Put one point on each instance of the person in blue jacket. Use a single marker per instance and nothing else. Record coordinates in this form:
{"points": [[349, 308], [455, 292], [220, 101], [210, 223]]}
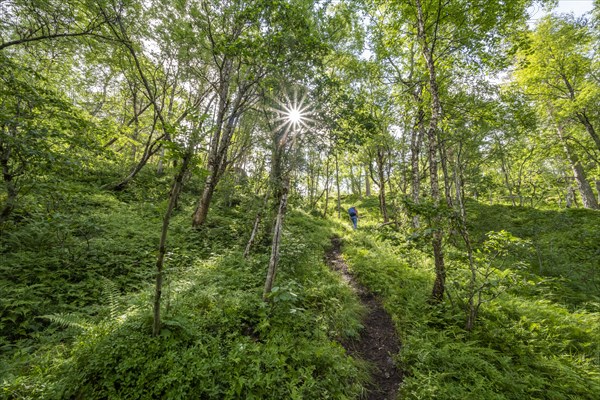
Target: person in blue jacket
{"points": [[353, 213]]}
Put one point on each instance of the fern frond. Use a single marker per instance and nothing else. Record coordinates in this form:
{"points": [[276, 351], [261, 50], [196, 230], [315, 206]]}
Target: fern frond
{"points": [[112, 297], [68, 320]]}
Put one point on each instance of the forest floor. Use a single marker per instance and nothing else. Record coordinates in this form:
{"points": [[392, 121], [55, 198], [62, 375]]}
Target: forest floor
{"points": [[378, 342]]}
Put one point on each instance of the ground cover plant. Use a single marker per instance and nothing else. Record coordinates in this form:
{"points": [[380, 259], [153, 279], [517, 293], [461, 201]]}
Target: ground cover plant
{"points": [[87, 335], [538, 339]]}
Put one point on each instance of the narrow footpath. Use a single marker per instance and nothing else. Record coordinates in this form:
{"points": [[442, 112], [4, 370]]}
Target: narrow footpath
{"points": [[378, 342]]}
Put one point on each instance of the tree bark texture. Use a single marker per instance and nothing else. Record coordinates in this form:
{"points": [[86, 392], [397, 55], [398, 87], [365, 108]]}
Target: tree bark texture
{"points": [[585, 189], [439, 285]]}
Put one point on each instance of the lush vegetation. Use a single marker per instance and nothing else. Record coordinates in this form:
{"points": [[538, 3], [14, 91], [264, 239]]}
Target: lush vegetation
{"points": [[538, 339], [172, 173], [77, 321]]}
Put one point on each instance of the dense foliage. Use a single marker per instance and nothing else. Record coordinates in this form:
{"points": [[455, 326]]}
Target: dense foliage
{"points": [[538, 339], [172, 173], [76, 317]]}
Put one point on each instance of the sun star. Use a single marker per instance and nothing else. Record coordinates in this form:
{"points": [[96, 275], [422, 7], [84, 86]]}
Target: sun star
{"points": [[294, 116]]}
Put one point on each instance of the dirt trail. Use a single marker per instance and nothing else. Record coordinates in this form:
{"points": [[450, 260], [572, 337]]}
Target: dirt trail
{"points": [[378, 341]]}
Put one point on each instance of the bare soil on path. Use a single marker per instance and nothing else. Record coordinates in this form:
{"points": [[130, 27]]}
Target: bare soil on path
{"points": [[378, 341]]}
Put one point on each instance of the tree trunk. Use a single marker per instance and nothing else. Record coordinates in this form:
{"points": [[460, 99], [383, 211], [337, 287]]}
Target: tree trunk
{"points": [[256, 224], [585, 189], [356, 181], [201, 211], [472, 308], [506, 174], [367, 183], [447, 180], [151, 147], [217, 164], [439, 285], [570, 196], [381, 176], [161, 158], [219, 142], [11, 189], [598, 189], [583, 118], [274, 260], [162, 247], [337, 184], [326, 188], [415, 147]]}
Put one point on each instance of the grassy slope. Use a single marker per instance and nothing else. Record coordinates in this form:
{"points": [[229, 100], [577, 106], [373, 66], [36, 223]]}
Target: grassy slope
{"points": [[89, 254], [539, 340], [90, 257]]}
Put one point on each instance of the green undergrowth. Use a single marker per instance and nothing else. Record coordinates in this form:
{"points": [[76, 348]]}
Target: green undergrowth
{"points": [[535, 341], [564, 251], [76, 305]]}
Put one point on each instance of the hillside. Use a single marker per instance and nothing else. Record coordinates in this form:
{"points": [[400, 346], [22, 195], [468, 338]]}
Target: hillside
{"points": [[76, 316]]}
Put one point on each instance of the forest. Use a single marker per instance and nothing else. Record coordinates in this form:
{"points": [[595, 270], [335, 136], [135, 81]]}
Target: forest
{"points": [[177, 175]]}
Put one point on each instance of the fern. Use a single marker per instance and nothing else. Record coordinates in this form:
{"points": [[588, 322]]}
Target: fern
{"points": [[112, 296], [68, 321]]}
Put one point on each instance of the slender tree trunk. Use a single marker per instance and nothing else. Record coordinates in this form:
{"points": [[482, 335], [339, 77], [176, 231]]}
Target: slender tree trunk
{"points": [[355, 181], [274, 260], [160, 168], [359, 184], [9, 184], [217, 164], [506, 173], [337, 184], [447, 180], [391, 194], [587, 194], [161, 158], [201, 211], [219, 144], [570, 196], [136, 122], [148, 153], [415, 147], [598, 189], [583, 118], [472, 308], [257, 220], [162, 246], [367, 183], [381, 176], [439, 285], [326, 188]]}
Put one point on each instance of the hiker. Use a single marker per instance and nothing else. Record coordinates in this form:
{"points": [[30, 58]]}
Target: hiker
{"points": [[353, 213]]}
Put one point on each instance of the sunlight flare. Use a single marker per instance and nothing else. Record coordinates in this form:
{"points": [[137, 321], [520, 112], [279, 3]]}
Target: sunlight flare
{"points": [[292, 116]]}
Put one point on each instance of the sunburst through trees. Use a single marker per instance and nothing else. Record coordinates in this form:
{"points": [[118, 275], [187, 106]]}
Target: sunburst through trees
{"points": [[292, 115]]}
